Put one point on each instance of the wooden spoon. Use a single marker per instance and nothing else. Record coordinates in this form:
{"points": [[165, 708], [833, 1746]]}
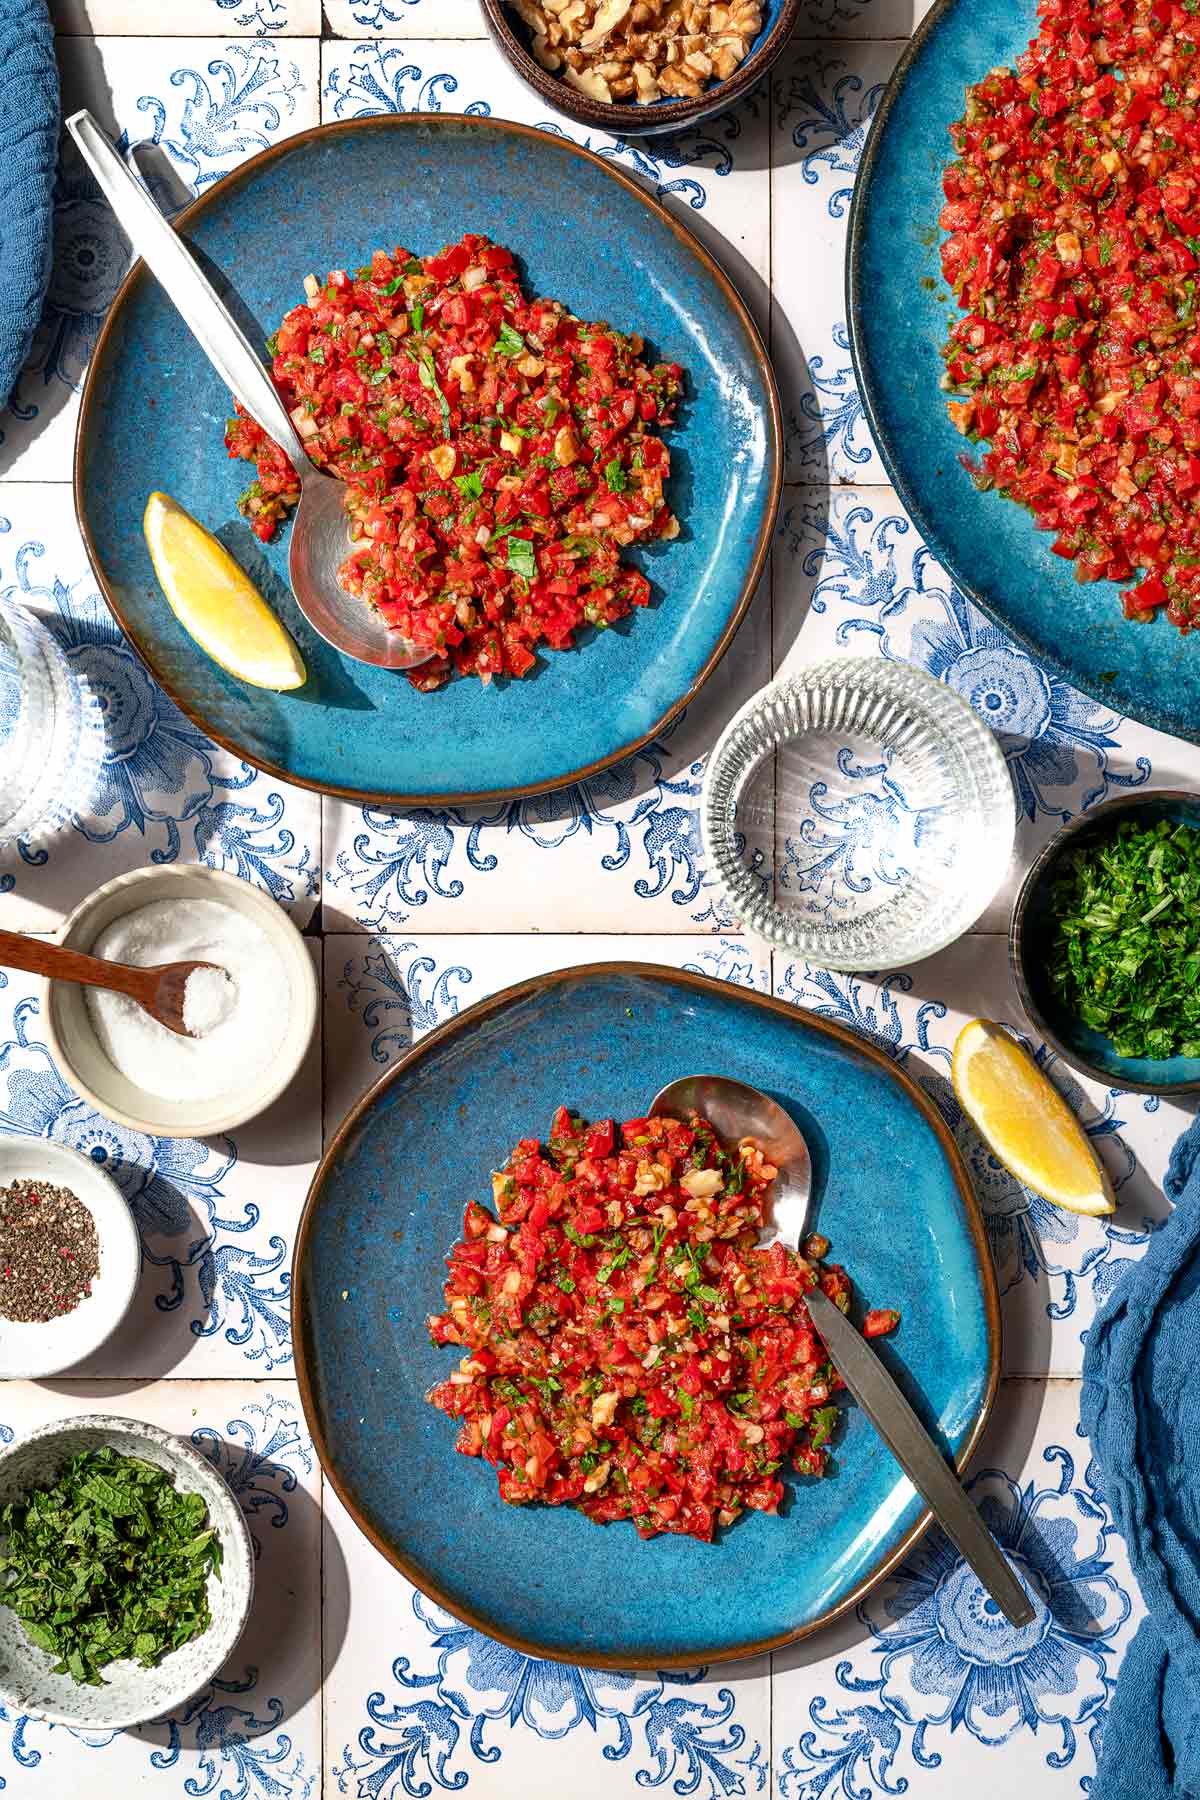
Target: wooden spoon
{"points": [[158, 990]]}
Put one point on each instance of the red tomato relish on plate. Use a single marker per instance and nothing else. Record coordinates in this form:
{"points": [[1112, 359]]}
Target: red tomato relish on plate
{"points": [[628, 1348], [1074, 248], [499, 453]]}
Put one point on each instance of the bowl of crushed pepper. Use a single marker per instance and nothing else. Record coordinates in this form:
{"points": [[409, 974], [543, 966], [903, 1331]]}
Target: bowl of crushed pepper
{"points": [[69, 1258]]}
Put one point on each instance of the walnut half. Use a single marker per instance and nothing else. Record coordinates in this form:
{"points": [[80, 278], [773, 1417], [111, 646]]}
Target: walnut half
{"points": [[641, 50]]}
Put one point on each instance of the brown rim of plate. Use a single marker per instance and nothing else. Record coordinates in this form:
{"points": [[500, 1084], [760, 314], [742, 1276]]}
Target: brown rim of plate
{"points": [[404, 122], [706, 984], [616, 115]]}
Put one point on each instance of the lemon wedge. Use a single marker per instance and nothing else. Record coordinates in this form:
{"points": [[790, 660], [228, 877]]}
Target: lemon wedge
{"points": [[1025, 1121], [216, 602]]}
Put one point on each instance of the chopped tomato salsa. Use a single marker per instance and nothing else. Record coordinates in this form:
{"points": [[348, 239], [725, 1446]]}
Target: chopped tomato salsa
{"points": [[1073, 214], [628, 1348], [499, 453]]}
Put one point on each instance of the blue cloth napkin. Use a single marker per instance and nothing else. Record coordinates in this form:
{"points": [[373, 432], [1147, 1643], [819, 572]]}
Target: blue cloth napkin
{"points": [[1141, 1410], [29, 116]]}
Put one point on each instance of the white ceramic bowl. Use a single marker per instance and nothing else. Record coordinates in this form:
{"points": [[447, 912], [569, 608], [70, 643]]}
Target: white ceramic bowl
{"points": [[28, 1352], [130, 1695], [85, 1066]]}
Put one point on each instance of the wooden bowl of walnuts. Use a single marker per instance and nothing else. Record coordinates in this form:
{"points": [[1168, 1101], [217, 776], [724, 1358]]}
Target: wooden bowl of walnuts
{"points": [[640, 67]]}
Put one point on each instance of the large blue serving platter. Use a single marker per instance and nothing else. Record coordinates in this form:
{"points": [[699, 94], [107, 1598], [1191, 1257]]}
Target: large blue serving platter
{"points": [[899, 309], [890, 1191], [584, 232]]}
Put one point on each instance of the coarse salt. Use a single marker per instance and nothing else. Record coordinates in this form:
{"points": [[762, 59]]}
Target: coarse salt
{"points": [[240, 1009], [209, 996]]}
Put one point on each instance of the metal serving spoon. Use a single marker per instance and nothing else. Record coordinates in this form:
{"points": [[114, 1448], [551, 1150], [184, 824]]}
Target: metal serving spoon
{"points": [[319, 533], [736, 1111], [158, 990]]}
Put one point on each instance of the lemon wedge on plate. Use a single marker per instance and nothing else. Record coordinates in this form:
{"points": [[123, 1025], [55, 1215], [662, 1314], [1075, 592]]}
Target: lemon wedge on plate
{"points": [[216, 602], [1024, 1120]]}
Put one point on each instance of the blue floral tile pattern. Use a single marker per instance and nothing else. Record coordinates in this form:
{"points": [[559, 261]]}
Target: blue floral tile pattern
{"points": [[405, 18], [636, 827], [824, 99], [162, 792], [209, 105], [682, 1743], [1053, 1267], [215, 1261], [863, 581], [941, 1658], [382, 993]]}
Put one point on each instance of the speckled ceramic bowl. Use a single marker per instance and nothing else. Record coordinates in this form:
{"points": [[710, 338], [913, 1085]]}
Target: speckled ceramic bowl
{"points": [[76, 1049], [130, 1695]]}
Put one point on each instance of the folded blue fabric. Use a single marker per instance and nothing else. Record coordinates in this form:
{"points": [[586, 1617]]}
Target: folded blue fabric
{"points": [[1140, 1411], [29, 117]]}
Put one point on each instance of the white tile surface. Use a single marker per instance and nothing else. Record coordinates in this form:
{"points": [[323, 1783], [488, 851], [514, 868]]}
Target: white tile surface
{"points": [[824, 98], [160, 790], [383, 993], [404, 18], [407, 1677], [619, 852], [187, 18], [1053, 1267], [196, 107], [216, 1216], [853, 578], [925, 1689]]}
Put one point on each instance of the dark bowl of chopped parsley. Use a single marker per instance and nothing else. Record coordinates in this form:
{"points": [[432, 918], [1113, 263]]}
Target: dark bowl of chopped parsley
{"points": [[1105, 943], [126, 1572]]}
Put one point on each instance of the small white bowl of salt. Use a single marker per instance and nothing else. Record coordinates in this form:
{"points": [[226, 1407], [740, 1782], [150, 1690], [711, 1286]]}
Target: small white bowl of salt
{"points": [[250, 1018]]}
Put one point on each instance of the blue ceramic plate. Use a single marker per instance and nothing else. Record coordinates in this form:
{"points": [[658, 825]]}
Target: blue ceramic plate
{"points": [[152, 418], [386, 1205], [899, 310], [1030, 932]]}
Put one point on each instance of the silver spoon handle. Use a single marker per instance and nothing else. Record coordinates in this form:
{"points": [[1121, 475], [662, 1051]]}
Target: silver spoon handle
{"points": [[918, 1455], [199, 305]]}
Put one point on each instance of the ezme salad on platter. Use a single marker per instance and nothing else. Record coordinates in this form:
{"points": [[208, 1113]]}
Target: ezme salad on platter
{"points": [[1073, 214], [499, 453], [627, 1347]]}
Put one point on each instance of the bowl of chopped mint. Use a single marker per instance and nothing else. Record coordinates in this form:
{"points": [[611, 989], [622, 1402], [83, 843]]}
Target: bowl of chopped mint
{"points": [[1105, 942], [126, 1572]]}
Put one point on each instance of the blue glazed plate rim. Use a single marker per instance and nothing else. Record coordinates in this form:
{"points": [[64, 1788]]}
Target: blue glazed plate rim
{"points": [[689, 982], [1145, 711], [93, 400]]}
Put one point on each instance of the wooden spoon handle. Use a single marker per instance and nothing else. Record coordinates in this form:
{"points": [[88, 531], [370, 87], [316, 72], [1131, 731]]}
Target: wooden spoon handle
{"points": [[37, 957]]}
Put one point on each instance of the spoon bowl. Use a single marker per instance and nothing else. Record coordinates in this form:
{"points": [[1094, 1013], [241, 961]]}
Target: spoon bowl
{"points": [[735, 1111], [320, 536], [159, 991], [318, 548]]}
